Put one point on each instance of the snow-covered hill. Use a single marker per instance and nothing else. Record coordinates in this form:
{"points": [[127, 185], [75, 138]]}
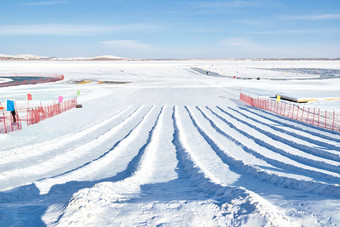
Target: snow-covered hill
{"points": [[172, 147], [28, 57]]}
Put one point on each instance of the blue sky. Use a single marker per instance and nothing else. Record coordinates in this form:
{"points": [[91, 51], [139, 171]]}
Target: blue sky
{"points": [[171, 29]]}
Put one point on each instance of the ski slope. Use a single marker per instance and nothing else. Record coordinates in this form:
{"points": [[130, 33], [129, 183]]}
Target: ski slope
{"points": [[172, 147]]}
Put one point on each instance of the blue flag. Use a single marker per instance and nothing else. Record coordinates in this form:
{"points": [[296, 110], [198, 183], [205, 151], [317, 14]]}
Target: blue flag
{"points": [[10, 105]]}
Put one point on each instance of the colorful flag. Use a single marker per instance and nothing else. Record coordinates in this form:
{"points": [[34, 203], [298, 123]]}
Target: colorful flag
{"points": [[29, 96], [278, 98], [78, 92], [60, 99], [10, 105]]}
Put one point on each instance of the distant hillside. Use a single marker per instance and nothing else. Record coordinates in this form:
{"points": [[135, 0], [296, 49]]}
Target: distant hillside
{"points": [[27, 57]]}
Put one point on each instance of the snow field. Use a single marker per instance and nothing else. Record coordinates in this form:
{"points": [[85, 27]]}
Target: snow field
{"points": [[281, 144], [173, 148], [55, 159], [103, 165], [301, 128], [301, 137], [40, 149], [274, 156], [213, 181]]}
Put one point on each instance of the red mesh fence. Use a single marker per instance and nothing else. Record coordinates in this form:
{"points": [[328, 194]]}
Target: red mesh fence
{"points": [[313, 116], [7, 123], [42, 79], [41, 113]]}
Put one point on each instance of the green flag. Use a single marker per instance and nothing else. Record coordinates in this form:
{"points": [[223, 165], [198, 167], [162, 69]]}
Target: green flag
{"points": [[78, 92]]}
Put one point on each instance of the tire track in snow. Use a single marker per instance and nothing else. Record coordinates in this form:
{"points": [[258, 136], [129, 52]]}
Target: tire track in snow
{"points": [[112, 162], [254, 149], [297, 125], [283, 181], [66, 160], [334, 154], [248, 202], [288, 151], [30, 154]]}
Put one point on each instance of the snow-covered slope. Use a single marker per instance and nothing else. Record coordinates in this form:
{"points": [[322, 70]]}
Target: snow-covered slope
{"points": [[21, 57], [34, 57], [172, 147]]}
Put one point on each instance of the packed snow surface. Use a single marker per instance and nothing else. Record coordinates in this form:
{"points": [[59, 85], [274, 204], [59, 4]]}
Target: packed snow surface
{"points": [[171, 147]]}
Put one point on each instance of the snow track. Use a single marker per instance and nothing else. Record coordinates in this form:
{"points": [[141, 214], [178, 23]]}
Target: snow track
{"points": [[175, 150], [62, 158], [296, 126], [210, 148], [267, 172], [37, 151], [213, 180], [197, 163], [303, 141], [109, 162], [283, 143]]}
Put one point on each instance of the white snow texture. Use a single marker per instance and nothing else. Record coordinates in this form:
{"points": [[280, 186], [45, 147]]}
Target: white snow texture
{"points": [[172, 147]]}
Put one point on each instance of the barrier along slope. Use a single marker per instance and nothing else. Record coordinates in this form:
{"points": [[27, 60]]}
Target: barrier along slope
{"points": [[40, 113], [34, 115], [317, 117], [40, 78], [9, 123]]}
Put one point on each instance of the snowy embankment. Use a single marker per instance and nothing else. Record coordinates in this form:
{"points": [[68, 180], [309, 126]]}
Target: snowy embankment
{"points": [[173, 147]]}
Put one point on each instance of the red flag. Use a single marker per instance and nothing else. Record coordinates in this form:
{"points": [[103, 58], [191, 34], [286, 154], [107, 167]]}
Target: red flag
{"points": [[29, 96]]}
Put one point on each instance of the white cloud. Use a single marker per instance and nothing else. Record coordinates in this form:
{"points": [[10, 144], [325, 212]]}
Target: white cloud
{"points": [[312, 17], [243, 47], [44, 3], [127, 45], [298, 31], [69, 29], [132, 48], [240, 43], [227, 4]]}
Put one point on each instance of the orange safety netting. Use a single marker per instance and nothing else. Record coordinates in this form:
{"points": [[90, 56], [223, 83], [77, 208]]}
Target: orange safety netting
{"points": [[41, 113], [313, 116], [7, 123], [34, 115]]}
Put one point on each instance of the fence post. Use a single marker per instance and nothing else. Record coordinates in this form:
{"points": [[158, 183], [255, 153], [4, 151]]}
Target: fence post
{"points": [[297, 114], [293, 112], [307, 115], [319, 118], [263, 107], [284, 111], [333, 119], [11, 123], [303, 111], [325, 118], [5, 122], [280, 108]]}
